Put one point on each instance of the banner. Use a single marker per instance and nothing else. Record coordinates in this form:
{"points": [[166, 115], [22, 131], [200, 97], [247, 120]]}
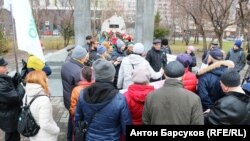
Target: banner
{"points": [[26, 32]]}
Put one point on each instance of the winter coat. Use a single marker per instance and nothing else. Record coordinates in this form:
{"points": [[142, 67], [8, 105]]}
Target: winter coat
{"points": [[156, 59], [194, 63], [41, 110], [166, 49], [127, 66], [238, 57], [115, 54], [135, 97], [10, 103], [112, 112], [189, 80], [75, 95], [230, 110], [71, 75], [172, 104], [209, 88]]}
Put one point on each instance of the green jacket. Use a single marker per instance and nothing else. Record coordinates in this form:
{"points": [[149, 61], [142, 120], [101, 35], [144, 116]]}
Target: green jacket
{"points": [[172, 104]]}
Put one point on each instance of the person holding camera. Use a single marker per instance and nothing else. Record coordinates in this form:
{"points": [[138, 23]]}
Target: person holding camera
{"points": [[11, 95]]}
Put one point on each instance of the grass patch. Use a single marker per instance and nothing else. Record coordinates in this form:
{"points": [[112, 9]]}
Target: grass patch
{"points": [[52, 43], [180, 47]]}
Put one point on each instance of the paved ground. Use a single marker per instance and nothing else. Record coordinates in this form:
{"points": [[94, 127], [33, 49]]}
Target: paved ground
{"points": [[59, 112], [60, 115]]}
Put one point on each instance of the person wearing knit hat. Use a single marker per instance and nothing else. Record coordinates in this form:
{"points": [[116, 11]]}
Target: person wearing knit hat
{"points": [[131, 62], [71, 76], [189, 79], [191, 51], [166, 104], [230, 78], [138, 48], [120, 44], [233, 107], [79, 52], [141, 75], [102, 52], [137, 93], [106, 103], [237, 55], [101, 49], [185, 59], [104, 70]]}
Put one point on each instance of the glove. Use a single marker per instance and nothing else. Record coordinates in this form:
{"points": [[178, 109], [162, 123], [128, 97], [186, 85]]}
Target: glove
{"points": [[16, 79]]}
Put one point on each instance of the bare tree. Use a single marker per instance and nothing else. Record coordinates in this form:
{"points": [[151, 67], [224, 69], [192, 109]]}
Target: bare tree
{"points": [[219, 12], [195, 9], [65, 20], [243, 19]]}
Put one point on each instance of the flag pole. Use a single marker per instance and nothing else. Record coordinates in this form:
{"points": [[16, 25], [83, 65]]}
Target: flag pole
{"points": [[14, 37]]}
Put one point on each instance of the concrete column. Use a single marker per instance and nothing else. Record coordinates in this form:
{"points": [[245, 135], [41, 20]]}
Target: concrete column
{"points": [[82, 20], [144, 25]]}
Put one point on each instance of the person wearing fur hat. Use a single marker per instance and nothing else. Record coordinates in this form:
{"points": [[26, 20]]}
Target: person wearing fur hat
{"points": [[234, 107], [237, 55], [71, 75], [137, 93], [102, 106], [208, 87], [172, 104], [131, 62], [189, 79]]}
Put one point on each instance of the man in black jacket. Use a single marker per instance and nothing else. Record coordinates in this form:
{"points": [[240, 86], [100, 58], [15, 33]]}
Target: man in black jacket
{"points": [[156, 58], [234, 107], [11, 95]]}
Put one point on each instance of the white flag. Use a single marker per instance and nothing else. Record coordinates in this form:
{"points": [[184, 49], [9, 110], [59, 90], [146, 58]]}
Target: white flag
{"points": [[7, 4], [26, 33]]}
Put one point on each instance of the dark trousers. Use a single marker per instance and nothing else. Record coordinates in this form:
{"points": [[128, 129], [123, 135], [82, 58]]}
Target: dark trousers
{"points": [[12, 136], [70, 128]]}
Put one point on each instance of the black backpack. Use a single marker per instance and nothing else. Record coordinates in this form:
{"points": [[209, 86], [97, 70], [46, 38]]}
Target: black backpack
{"points": [[27, 125]]}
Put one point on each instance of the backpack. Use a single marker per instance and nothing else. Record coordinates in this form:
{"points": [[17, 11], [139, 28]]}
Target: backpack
{"points": [[27, 125]]}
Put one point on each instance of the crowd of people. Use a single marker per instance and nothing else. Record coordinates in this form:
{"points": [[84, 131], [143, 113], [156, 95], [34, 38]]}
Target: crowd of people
{"points": [[108, 85]]}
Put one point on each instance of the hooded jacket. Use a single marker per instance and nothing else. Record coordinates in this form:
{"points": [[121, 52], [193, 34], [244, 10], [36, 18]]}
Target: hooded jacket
{"points": [[10, 103], [135, 97], [208, 87], [127, 66], [41, 110], [109, 108]]}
